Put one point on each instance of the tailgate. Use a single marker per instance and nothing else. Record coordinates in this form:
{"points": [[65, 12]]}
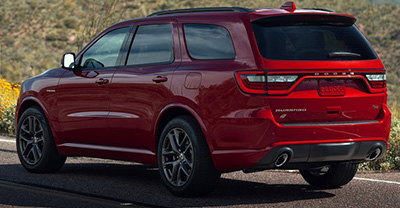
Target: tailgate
{"points": [[327, 100]]}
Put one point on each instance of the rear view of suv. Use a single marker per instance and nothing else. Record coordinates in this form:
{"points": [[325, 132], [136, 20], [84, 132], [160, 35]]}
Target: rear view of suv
{"points": [[200, 92]]}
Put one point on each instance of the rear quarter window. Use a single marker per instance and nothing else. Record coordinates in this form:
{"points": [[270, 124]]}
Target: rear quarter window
{"points": [[312, 42], [208, 42]]}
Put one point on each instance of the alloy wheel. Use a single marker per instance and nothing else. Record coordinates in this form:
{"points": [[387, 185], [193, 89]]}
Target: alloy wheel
{"points": [[177, 157], [31, 140]]}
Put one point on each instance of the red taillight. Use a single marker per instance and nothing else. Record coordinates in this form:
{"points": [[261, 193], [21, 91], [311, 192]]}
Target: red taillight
{"points": [[252, 82], [378, 84], [279, 86], [377, 80]]}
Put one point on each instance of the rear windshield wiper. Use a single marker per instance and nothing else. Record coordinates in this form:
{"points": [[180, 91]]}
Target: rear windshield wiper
{"points": [[343, 54]]}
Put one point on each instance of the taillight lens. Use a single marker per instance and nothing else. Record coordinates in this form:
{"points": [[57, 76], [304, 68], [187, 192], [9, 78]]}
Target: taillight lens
{"points": [[252, 82], [280, 82], [258, 82], [377, 80]]}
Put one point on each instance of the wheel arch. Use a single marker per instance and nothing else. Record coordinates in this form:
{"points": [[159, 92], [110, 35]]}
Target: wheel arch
{"points": [[174, 110], [31, 101], [28, 102]]}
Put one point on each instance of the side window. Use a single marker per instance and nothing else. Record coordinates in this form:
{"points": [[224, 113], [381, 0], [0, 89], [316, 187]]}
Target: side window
{"points": [[208, 42], [152, 44], [104, 53]]}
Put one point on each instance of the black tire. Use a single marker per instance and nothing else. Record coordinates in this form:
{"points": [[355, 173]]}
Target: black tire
{"points": [[36, 149], [196, 174], [335, 177]]}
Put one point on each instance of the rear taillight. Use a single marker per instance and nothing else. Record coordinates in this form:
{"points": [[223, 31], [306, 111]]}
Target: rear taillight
{"points": [[377, 80], [252, 82], [258, 82]]}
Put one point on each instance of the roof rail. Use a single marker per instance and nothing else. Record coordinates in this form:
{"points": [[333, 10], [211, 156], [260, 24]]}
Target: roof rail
{"points": [[326, 10], [205, 9]]}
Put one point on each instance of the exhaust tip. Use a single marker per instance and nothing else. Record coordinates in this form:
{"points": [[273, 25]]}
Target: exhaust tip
{"points": [[374, 154], [281, 159]]}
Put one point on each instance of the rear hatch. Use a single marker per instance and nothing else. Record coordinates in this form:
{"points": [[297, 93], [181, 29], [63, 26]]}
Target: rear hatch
{"points": [[318, 69]]}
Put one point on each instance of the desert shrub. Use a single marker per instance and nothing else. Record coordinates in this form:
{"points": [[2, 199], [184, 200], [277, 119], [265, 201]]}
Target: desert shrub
{"points": [[56, 36], [8, 97], [71, 22]]}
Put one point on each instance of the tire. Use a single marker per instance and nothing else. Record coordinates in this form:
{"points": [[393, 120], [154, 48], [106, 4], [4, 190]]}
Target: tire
{"points": [[36, 149], [182, 147], [333, 176]]}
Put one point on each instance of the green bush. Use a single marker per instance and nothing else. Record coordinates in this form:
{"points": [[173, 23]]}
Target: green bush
{"points": [[7, 120]]}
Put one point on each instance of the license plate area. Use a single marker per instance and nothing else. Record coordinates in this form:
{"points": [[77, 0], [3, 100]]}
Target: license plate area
{"points": [[331, 87]]}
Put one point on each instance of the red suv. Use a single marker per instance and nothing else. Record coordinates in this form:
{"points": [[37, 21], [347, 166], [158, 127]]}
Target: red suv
{"points": [[204, 91]]}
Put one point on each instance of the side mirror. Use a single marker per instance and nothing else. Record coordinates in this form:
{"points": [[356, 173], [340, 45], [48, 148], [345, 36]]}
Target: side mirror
{"points": [[68, 61]]}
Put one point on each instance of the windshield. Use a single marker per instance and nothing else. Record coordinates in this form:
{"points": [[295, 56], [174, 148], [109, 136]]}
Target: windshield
{"points": [[311, 42]]}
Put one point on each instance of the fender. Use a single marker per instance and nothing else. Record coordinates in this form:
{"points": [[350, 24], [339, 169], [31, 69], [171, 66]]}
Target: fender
{"points": [[194, 114], [41, 104]]}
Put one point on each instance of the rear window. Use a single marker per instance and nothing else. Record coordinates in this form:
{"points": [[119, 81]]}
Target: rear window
{"points": [[208, 42], [152, 44], [311, 42]]}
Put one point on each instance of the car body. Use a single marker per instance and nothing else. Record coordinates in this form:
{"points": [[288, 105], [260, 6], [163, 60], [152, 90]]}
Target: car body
{"points": [[255, 112]]}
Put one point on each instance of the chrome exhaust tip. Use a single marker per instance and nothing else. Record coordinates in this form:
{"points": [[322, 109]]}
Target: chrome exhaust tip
{"points": [[374, 154], [281, 159]]}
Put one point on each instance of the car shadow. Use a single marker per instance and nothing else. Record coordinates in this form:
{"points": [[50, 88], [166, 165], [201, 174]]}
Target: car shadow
{"points": [[141, 185]]}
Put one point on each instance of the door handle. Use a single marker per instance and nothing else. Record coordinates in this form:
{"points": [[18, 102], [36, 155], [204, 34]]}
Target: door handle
{"points": [[159, 79], [102, 81]]}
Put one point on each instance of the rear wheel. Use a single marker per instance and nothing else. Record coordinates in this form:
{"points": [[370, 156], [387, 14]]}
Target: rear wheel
{"points": [[35, 145], [332, 176], [184, 161]]}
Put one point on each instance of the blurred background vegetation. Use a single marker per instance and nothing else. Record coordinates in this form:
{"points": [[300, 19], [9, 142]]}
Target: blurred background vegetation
{"points": [[35, 33]]}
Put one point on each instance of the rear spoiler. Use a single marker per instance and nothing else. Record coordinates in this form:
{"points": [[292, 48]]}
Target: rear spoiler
{"points": [[305, 19]]}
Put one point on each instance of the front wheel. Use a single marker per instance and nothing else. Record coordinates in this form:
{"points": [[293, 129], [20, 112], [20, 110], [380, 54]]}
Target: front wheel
{"points": [[184, 160], [332, 176], [35, 145]]}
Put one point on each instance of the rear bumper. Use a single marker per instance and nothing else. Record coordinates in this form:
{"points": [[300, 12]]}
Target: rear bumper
{"points": [[310, 146], [315, 155], [306, 154]]}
